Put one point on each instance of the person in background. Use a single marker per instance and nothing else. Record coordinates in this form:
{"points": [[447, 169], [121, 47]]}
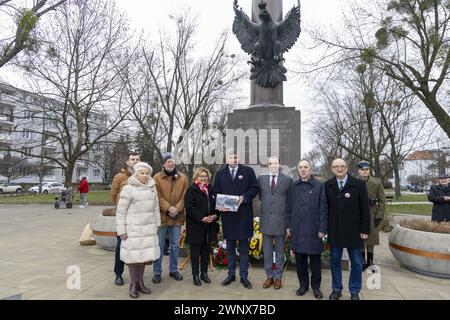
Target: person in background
{"points": [[308, 218], [83, 189], [119, 181], [377, 202], [273, 194], [171, 186], [201, 223], [440, 196], [138, 219]]}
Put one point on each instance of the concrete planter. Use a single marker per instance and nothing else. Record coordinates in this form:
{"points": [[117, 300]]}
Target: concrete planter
{"points": [[104, 230], [422, 252]]}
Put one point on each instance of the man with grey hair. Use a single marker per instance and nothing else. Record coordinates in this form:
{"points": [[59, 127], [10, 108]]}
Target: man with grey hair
{"points": [[237, 180], [348, 226], [273, 194], [308, 218]]}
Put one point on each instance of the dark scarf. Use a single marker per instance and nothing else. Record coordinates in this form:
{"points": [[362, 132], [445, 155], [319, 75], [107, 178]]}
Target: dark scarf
{"points": [[170, 174]]}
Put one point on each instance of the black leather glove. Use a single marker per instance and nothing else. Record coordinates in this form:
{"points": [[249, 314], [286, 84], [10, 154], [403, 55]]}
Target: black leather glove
{"points": [[377, 222]]}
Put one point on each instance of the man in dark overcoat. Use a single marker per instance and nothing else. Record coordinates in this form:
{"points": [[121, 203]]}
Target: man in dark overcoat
{"points": [[440, 196], [238, 180], [348, 226], [308, 218]]}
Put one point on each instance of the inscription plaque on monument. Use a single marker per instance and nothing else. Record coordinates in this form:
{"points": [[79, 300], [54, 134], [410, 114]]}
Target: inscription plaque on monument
{"points": [[261, 121], [266, 111]]}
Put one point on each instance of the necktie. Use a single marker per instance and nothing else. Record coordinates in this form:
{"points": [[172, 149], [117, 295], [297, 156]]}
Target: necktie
{"points": [[272, 184], [341, 185], [232, 173]]}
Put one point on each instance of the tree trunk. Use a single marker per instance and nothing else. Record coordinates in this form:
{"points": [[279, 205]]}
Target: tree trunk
{"points": [[68, 173], [398, 191], [442, 117]]}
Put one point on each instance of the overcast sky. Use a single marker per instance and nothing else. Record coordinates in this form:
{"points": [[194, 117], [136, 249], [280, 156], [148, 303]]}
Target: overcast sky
{"points": [[216, 15]]}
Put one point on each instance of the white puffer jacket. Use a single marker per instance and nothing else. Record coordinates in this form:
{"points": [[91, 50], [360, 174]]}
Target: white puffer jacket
{"points": [[138, 216]]}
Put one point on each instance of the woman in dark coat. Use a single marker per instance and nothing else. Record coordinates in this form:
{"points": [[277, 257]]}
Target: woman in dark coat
{"points": [[201, 223]]}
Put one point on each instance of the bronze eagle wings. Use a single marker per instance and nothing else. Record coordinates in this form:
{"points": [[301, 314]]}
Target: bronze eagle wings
{"points": [[266, 42]]}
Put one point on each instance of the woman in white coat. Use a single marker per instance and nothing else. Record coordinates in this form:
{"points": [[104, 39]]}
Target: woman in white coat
{"points": [[138, 219]]}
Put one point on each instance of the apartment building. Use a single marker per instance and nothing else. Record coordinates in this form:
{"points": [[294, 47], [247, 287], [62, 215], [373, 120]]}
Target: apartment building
{"points": [[29, 129]]}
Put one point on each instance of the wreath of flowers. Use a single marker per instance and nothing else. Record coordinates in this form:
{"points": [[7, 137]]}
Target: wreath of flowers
{"points": [[255, 246]]}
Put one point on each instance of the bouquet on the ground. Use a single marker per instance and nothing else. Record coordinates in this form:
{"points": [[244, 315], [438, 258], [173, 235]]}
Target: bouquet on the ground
{"points": [[220, 256], [183, 243]]}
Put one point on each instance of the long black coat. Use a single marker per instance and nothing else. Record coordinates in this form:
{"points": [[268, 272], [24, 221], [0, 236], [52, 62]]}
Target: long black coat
{"points": [[308, 215], [198, 205], [237, 225], [441, 208], [348, 212]]}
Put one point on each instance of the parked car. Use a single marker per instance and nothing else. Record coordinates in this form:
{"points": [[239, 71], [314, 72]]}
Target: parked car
{"points": [[10, 188], [49, 187], [417, 189]]}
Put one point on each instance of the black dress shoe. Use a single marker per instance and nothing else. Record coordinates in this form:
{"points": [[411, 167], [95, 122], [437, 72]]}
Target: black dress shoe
{"points": [[246, 283], [176, 275], [335, 295], [354, 297], [204, 277], [301, 291], [156, 278], [317, 294], [197, 281], [118, 281], [228, 280]]}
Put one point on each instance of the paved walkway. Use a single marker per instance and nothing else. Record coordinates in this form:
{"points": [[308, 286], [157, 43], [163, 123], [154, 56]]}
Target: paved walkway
{"points": [[39, 243]]}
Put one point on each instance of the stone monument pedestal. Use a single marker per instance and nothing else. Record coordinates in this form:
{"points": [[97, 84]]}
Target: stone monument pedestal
{"points": [[262, 121]]}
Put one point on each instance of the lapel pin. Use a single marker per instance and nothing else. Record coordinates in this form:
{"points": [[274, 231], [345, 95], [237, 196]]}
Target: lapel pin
{"points": [[347, 195]]}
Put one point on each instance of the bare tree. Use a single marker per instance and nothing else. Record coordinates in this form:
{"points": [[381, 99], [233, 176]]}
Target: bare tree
{"points": [[370, 117], [25, 22], [410, 43], [79, 77], [186, 88]]}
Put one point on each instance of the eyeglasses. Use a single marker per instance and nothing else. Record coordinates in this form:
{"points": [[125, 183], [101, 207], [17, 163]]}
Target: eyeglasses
{"points": [[203, 176], [339, 167]]}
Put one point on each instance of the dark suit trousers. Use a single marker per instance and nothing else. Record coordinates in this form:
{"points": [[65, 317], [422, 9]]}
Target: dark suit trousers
{"points": [[301, 261], [243, 257], [118, 264], [199, 253]]}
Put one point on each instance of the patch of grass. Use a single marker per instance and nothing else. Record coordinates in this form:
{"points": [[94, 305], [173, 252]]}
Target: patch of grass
{"points": [[410, 197], [102, 198], [419, 209]]}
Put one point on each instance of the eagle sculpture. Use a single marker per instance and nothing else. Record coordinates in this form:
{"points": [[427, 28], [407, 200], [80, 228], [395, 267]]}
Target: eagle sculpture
{"points": [[266, 42]]}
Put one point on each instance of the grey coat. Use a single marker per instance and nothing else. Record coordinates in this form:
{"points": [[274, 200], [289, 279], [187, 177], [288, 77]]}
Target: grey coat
{"points": [[274, 205]]}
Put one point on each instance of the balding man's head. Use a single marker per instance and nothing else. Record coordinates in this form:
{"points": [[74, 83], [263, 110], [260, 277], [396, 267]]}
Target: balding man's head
{"points": [[339, 167]]}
